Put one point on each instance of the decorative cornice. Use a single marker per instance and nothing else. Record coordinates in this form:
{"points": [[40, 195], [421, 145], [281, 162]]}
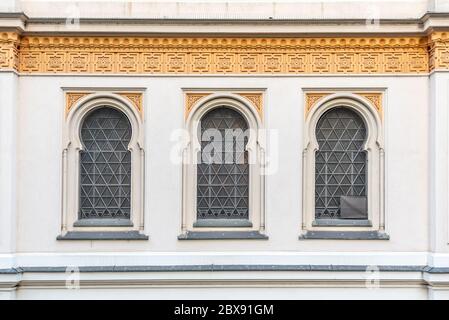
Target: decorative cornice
{"points": [[141, 55], [151, 55]]}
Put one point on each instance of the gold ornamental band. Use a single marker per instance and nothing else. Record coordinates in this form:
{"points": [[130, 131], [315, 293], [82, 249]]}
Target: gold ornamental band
{"points": [[143, 55]]}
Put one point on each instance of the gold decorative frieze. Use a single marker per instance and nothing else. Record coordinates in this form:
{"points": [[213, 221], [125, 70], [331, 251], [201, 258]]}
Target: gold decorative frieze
{"points": [[375, 98], [72, 97], [144, 55], [141, 55], [439, 51], [9, 51]]}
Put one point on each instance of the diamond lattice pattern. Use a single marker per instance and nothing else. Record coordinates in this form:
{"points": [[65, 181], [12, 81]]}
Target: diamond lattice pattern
{"points": [[222, 183], [105, 187], [340, 167]]}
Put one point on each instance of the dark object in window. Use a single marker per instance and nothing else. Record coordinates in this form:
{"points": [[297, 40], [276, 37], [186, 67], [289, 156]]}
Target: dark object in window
{"points": [[353, 207], [340, 163], [105, 165], [223, 170]]}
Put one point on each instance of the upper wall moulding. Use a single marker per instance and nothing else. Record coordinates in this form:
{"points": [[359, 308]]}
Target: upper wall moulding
{"points": [[142, 55]]}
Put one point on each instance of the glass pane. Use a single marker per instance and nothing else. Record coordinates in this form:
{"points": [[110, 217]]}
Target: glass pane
{"points": [[105, 165], [340, 163], [223, 170]]}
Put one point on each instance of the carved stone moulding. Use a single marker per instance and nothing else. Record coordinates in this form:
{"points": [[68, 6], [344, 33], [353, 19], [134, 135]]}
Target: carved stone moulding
{"points": [[254, 98], [72, 97], [374, 97], [142, 55]]}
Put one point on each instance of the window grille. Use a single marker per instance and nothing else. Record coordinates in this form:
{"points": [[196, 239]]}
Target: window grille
{"points": [[105, 165], [340, 163], [223, 172]]}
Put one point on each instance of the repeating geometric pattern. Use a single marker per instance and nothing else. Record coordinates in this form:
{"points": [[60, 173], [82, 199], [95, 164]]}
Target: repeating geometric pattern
{"points": [[105, 187], [143, 55], [340, 165], [223, 181]]}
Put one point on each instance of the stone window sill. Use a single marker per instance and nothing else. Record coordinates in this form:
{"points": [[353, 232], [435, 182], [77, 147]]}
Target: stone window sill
{"points": [[103, 223], [109, 235], [344, 235], [341, 223], [220, 223], [224, 235]]}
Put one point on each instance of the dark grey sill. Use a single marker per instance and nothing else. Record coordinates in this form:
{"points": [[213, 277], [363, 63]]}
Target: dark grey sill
{"points": [[222, 235], [109, 235], [345, 235], [341, 223], [219, 223], [103, 223], [226, 268]]}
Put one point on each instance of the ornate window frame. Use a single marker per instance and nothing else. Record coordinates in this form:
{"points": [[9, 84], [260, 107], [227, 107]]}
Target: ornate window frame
{"points": [[374, 227], [256, 153], [71, 227]]}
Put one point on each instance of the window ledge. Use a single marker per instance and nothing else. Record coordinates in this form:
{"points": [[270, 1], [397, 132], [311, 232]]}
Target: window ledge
{"points": [[109, 235], [345, 235], [224, 235], [103, 223], [217, 223], [341, 223]]}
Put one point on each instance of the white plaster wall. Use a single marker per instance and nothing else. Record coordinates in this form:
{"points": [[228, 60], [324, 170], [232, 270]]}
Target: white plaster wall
{"points": [[40, 116], [8, 121], [233, 9], [439, 174], [9, 5], [222, 293]]}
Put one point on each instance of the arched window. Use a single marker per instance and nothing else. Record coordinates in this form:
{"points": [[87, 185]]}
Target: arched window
{"points": [[102, 170], [340, 166], [223, 180], [105, 165], [223, 169], [343, 170]]}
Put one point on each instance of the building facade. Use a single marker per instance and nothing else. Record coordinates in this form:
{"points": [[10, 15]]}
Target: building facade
{"points": [[294, 150]]}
